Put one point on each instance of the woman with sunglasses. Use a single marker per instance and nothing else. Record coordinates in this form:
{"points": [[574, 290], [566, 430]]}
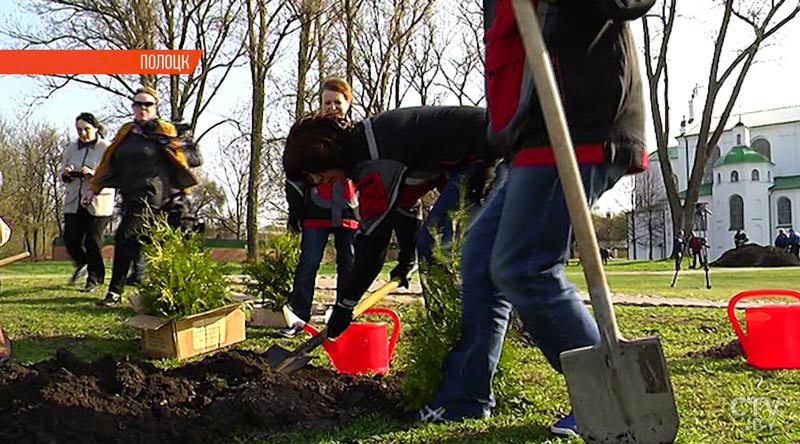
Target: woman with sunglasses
{"points": [[84, 225], [146, 162]]}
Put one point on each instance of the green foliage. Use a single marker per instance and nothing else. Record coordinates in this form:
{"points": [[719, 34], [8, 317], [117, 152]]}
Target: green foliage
{"points": [[181, 278], [272, 275], [437, 324]]}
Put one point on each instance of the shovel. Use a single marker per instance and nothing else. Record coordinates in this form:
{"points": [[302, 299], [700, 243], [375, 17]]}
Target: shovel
{"points": [[289, 361], [619, 389]]}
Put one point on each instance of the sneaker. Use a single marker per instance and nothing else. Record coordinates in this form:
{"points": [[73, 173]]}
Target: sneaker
{"points": [[78, 273], [290, 332], [90, 287], [440, 414], [133, 281], [111, 300], [566, 427], [430, 414]]}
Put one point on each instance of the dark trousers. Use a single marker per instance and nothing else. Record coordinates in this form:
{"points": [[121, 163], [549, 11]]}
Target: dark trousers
{"points": [[83, 237], [127, 247], [129, 237]]}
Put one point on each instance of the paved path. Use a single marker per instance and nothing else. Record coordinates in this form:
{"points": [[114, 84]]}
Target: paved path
{"points": [[412, 294]]}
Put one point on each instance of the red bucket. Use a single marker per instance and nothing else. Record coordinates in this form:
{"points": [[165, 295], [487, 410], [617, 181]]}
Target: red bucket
{"points": [[772, 340], [363, 347]]}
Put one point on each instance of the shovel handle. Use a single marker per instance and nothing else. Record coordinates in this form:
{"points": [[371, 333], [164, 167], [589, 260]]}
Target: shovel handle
{"points": [[12, 259], [764, 293], [541, 67]]}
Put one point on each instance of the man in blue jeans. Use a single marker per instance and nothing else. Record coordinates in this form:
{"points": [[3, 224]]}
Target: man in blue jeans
{"points": [[514, 253]]}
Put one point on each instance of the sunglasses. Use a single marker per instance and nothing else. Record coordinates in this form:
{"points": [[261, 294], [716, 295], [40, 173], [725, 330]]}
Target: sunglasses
{"points": [[143, 104]]}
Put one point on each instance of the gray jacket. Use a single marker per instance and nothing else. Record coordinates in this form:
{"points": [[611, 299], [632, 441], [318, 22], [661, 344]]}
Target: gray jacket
{"points": [[103, 202]]}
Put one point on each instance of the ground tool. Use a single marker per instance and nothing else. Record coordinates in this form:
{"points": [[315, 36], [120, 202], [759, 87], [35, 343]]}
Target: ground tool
{"points": [[620, 389], [288, 361]]}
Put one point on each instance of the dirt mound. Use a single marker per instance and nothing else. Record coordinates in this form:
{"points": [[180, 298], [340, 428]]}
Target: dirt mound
{"points": [[65, 400], [752, 255], [732, 349]]}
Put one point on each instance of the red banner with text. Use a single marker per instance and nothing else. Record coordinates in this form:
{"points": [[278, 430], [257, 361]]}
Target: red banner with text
{"points": [[88, 61]]}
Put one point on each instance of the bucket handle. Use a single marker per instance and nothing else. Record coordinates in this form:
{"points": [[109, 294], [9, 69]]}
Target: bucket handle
{"points": [[769, 292], [395, 328]]}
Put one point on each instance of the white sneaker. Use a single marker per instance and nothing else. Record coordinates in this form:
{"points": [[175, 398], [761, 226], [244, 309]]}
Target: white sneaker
{"points": [[290, 332]]}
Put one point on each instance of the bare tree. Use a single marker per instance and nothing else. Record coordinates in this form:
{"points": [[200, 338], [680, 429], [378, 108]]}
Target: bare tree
{"points": [[234, 166], [648, 206], [382, 34], [267, 27], [31, 161], [464, 66], [764, 18], [425, 52], [142, 24]]}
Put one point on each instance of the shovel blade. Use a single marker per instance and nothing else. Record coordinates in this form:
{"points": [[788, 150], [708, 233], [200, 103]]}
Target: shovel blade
{"points": [[277, 354], [622, 395]]}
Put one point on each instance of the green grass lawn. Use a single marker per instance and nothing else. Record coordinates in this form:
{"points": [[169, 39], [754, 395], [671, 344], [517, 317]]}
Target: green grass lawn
{"points": [[719, 400]]}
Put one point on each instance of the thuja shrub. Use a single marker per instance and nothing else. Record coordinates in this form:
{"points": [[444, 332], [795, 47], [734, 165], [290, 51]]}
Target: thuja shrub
{"points": [[436, 325], [271, 276], [181, 277]]}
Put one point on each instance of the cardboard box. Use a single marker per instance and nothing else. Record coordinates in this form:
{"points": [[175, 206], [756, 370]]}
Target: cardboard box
{"points": [[191, 335]]}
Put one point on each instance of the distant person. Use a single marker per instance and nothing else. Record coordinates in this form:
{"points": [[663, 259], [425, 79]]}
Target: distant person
{"points": [[794, 242], [678, 247], [782, 240], [148, 163], [696, 245], [740, 239], [85, 225], [605, 254]]}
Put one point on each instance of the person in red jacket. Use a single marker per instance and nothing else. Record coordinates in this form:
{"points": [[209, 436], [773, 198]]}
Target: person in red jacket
{"points": [[514, 252], [319, 211], [394, 158]]}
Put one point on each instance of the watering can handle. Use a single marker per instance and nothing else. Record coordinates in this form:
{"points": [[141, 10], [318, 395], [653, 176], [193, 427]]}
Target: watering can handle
{"points": [[395, 329], [763, 293]]}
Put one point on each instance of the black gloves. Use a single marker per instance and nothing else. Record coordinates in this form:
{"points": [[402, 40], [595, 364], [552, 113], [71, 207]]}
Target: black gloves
{"points": [[401, 271], [341, 317]]}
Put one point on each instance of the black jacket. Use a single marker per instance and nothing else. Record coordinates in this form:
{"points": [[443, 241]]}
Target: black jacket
{"points": [[595, 62]]}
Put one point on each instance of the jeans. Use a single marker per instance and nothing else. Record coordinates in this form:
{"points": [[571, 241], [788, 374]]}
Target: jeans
{"points": [[513, 256], [137, 269], [83, 237], [312, 247]]}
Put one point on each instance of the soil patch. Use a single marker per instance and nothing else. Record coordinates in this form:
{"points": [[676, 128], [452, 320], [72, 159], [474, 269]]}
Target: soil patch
{"points": [[65, 400], [730, 350], [752, 255]]}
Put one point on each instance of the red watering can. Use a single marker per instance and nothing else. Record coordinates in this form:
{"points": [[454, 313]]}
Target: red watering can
{"points": [[363, 347], [773, 331]]}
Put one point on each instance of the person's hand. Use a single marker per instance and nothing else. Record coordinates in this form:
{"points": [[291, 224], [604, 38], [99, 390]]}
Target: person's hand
{"points": [[87, 198], [401, 272], [65, 173], [341, 317], [86, 171]]}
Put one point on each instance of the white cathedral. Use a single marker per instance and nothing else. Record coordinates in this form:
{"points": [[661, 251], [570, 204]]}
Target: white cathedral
{"points": [[751, 183]]}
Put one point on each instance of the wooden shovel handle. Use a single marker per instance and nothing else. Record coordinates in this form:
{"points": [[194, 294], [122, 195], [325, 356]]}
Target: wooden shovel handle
{"points": [[12, 259], [555, 120]]}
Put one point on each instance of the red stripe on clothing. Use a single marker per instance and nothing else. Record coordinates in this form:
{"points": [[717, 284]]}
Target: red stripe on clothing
{"points": [[587, 154], [321, 223]]}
